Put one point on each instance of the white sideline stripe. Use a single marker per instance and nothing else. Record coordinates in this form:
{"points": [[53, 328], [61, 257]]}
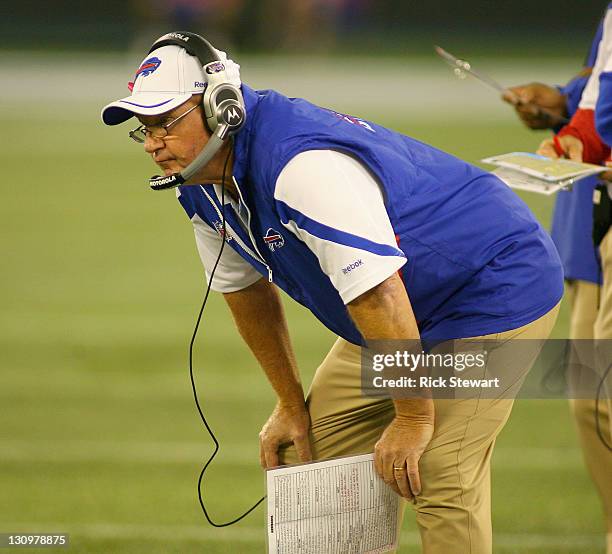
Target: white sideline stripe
{"points": [[538, 541], [194, 452], [246, 534], [430, 87]]}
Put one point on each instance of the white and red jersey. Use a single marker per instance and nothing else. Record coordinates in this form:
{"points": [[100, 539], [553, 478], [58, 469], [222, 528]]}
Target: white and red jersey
{"points": [[592, 122]]}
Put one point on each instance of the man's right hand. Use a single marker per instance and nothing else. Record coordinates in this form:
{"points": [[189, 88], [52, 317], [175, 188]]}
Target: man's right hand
{"points": [[287, 424], [528, 99], [566, 146]]}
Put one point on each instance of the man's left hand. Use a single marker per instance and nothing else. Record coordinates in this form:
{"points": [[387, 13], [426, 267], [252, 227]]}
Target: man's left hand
{"points": [[397, 453], [287, 424]]}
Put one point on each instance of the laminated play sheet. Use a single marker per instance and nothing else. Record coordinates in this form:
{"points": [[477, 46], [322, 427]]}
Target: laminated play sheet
{"points": [[336, 506], [541, 167], [522, 181]]}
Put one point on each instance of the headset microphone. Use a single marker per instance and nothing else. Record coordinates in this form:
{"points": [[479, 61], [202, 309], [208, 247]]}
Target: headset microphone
{"points": [[230, 116], [159, 182]]}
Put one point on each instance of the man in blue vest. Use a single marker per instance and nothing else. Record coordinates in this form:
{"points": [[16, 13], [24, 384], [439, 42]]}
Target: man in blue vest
{"points": [[381, 237]]}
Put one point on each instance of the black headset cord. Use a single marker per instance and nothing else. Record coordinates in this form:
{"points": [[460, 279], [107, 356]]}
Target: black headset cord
{"points": [[193, 386]]}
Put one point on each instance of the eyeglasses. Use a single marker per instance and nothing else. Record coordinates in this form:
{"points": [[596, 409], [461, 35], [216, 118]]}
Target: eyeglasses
{"points": [[157, 131]]}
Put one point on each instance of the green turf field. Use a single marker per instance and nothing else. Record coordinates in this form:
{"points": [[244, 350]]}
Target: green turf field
{"points": [[99, 436]]}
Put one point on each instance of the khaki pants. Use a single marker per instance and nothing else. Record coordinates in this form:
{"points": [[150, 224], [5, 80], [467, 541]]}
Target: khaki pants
{"points": [[453, 511], [603, 322], [589, 322]]}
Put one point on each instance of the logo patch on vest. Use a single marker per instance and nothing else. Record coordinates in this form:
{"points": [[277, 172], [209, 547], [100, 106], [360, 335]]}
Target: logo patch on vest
{"points": [[225, 234], [273, 239], [354, 121]]}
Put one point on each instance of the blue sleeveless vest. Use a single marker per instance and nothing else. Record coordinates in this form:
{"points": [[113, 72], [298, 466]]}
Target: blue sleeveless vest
{"points": [[478, 261], [572, 223]]}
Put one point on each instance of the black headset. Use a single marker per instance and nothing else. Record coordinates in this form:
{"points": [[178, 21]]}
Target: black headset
{"points": [[223, 104]]}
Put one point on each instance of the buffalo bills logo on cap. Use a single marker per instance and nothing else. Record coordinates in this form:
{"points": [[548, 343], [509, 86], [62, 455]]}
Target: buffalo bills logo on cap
{"points": [[148, 67], [274, 239]]}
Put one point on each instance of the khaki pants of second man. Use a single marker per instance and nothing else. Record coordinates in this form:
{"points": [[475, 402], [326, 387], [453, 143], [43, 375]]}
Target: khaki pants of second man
{"points": [[591, 318], [453, 511]]}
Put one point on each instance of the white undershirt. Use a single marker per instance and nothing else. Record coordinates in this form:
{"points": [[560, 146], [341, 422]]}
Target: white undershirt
{"points": [[341, 218]]}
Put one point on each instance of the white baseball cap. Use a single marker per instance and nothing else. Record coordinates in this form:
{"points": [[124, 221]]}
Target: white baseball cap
{"points": [[165, 79]]}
